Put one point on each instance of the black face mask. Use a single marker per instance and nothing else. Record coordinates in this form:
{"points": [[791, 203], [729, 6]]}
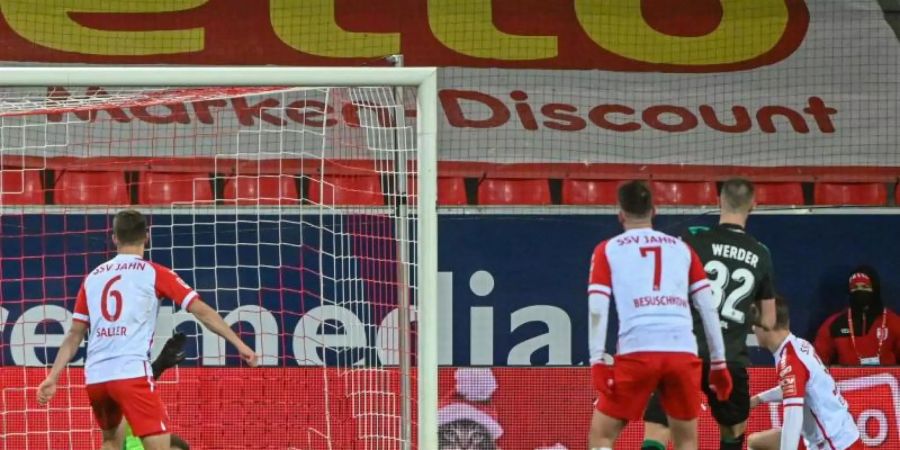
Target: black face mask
{"points": [[861, 299]]}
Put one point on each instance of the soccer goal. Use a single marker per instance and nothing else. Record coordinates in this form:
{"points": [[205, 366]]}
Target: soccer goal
{"points": [[299, 202]]}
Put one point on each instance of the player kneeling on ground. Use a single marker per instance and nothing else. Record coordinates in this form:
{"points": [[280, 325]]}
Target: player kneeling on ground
{"points": [[120, 301], [172, 354], [813, 405], [650, 276]]}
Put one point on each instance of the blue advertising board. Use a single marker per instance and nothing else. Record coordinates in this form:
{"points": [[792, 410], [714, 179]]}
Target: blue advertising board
{"points": [[512, 287]]}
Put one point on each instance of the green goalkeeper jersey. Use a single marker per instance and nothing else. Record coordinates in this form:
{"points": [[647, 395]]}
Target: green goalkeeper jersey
{"points": [[132, 442]]}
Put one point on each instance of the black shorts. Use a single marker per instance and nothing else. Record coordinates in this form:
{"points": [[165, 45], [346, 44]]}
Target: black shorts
{"points": [[731, 412]]}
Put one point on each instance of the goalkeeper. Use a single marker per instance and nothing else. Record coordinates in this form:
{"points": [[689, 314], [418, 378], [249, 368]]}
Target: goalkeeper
{"points": [[172, 354]]}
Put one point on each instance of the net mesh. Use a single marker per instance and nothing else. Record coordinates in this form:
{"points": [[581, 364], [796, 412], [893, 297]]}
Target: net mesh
{"points": [[298, 229]]}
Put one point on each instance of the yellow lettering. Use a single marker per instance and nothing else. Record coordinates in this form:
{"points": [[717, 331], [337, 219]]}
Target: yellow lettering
{"points": [[309, 26], [748, 29], [467, 27], [47, 23]]}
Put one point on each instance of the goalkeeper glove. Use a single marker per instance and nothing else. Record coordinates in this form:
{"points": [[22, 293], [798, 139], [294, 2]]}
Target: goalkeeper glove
{"points": [[603, 378], [172, 354], [720, 380]]}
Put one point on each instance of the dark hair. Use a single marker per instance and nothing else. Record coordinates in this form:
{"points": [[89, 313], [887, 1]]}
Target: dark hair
{"points": [[782, 314], [737, 194], [130, 227], [635, 198]]}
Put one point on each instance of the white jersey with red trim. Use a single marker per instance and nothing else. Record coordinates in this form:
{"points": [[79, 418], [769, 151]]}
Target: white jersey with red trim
{"points": [[120, 301], [805, 383], [651, 276]]}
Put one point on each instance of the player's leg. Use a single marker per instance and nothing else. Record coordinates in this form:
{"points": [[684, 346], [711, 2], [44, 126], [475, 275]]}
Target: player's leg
{"points": [[604, 430], [636, 375], [144, 410], [179, 444], [680, 397], [113, 439], [731, 415], [765, 440], [656, 425], [157, 442], [108, 416]]}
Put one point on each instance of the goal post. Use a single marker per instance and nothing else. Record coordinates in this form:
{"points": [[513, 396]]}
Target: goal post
{"points": [[176, 84]]}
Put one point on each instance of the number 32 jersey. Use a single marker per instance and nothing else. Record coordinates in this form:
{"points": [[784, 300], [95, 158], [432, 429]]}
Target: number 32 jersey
{"points": [[120, 301], [739, 269]]}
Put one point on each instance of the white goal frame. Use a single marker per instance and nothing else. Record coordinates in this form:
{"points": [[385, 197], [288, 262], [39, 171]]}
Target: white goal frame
{"points": [[424, 79]]}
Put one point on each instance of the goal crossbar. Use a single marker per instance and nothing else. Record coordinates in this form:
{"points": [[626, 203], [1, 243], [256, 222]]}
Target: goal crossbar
{"points": [[150, 76]]}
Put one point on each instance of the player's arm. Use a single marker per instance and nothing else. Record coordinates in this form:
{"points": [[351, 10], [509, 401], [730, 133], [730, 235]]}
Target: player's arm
{"points": [[599, 292], [171, 286], [794, 375], [766, 295], [67, 350], [771, 396], [702, 298], [171, 354], [212, 320]]}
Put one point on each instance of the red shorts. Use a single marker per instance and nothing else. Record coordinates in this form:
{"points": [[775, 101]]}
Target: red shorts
{"points": [[858, 445], [136, 398], [637, 375]]}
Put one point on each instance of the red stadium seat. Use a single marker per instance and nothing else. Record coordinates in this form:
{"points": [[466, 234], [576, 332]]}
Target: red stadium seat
{"points": [[499, 191], [347, 190], [165, 188], [21, 187], [91, 188], [261, 189], [450, 191], [779, 194], [859, 194], [684, 192], [589, 192]]}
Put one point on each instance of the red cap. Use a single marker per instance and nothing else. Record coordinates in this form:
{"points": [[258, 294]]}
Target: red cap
{"points": [[860, 282]]}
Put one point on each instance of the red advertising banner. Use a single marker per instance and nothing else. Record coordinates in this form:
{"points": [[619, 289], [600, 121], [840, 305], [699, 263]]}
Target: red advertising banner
{"points": [[285, 408], [662, 35]]}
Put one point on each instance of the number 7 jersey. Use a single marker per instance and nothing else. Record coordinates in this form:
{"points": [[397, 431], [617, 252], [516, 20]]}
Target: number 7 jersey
{"points": [[119, 300], [651, 276]]}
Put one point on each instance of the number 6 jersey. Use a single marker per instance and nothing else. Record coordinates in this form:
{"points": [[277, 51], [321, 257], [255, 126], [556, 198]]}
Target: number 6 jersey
{"points": [[120, 301]]}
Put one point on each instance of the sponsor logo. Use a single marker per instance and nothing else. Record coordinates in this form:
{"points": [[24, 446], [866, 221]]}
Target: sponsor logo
{"points": [[708, 36]]}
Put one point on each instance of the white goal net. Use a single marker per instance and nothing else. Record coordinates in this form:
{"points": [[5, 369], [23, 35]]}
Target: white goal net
{"points": [[294, 211]]}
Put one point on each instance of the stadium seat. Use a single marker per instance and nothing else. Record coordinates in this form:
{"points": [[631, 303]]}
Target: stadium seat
{"points": [[684, 192], [91, 188], [500, 191], [347, 190], [779, 194], [859, 194], [451, 191], [589, 192], [165, 188], [21, 187], [261, 189]]}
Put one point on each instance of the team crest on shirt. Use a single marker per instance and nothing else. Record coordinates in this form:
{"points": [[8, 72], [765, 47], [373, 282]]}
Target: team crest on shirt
{"points": [[881, 334], [789, 386]]}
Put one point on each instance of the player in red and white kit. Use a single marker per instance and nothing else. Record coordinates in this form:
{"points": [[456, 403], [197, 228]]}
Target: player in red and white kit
{"points": [[119, 301], [650, 275], [813, 405]]}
